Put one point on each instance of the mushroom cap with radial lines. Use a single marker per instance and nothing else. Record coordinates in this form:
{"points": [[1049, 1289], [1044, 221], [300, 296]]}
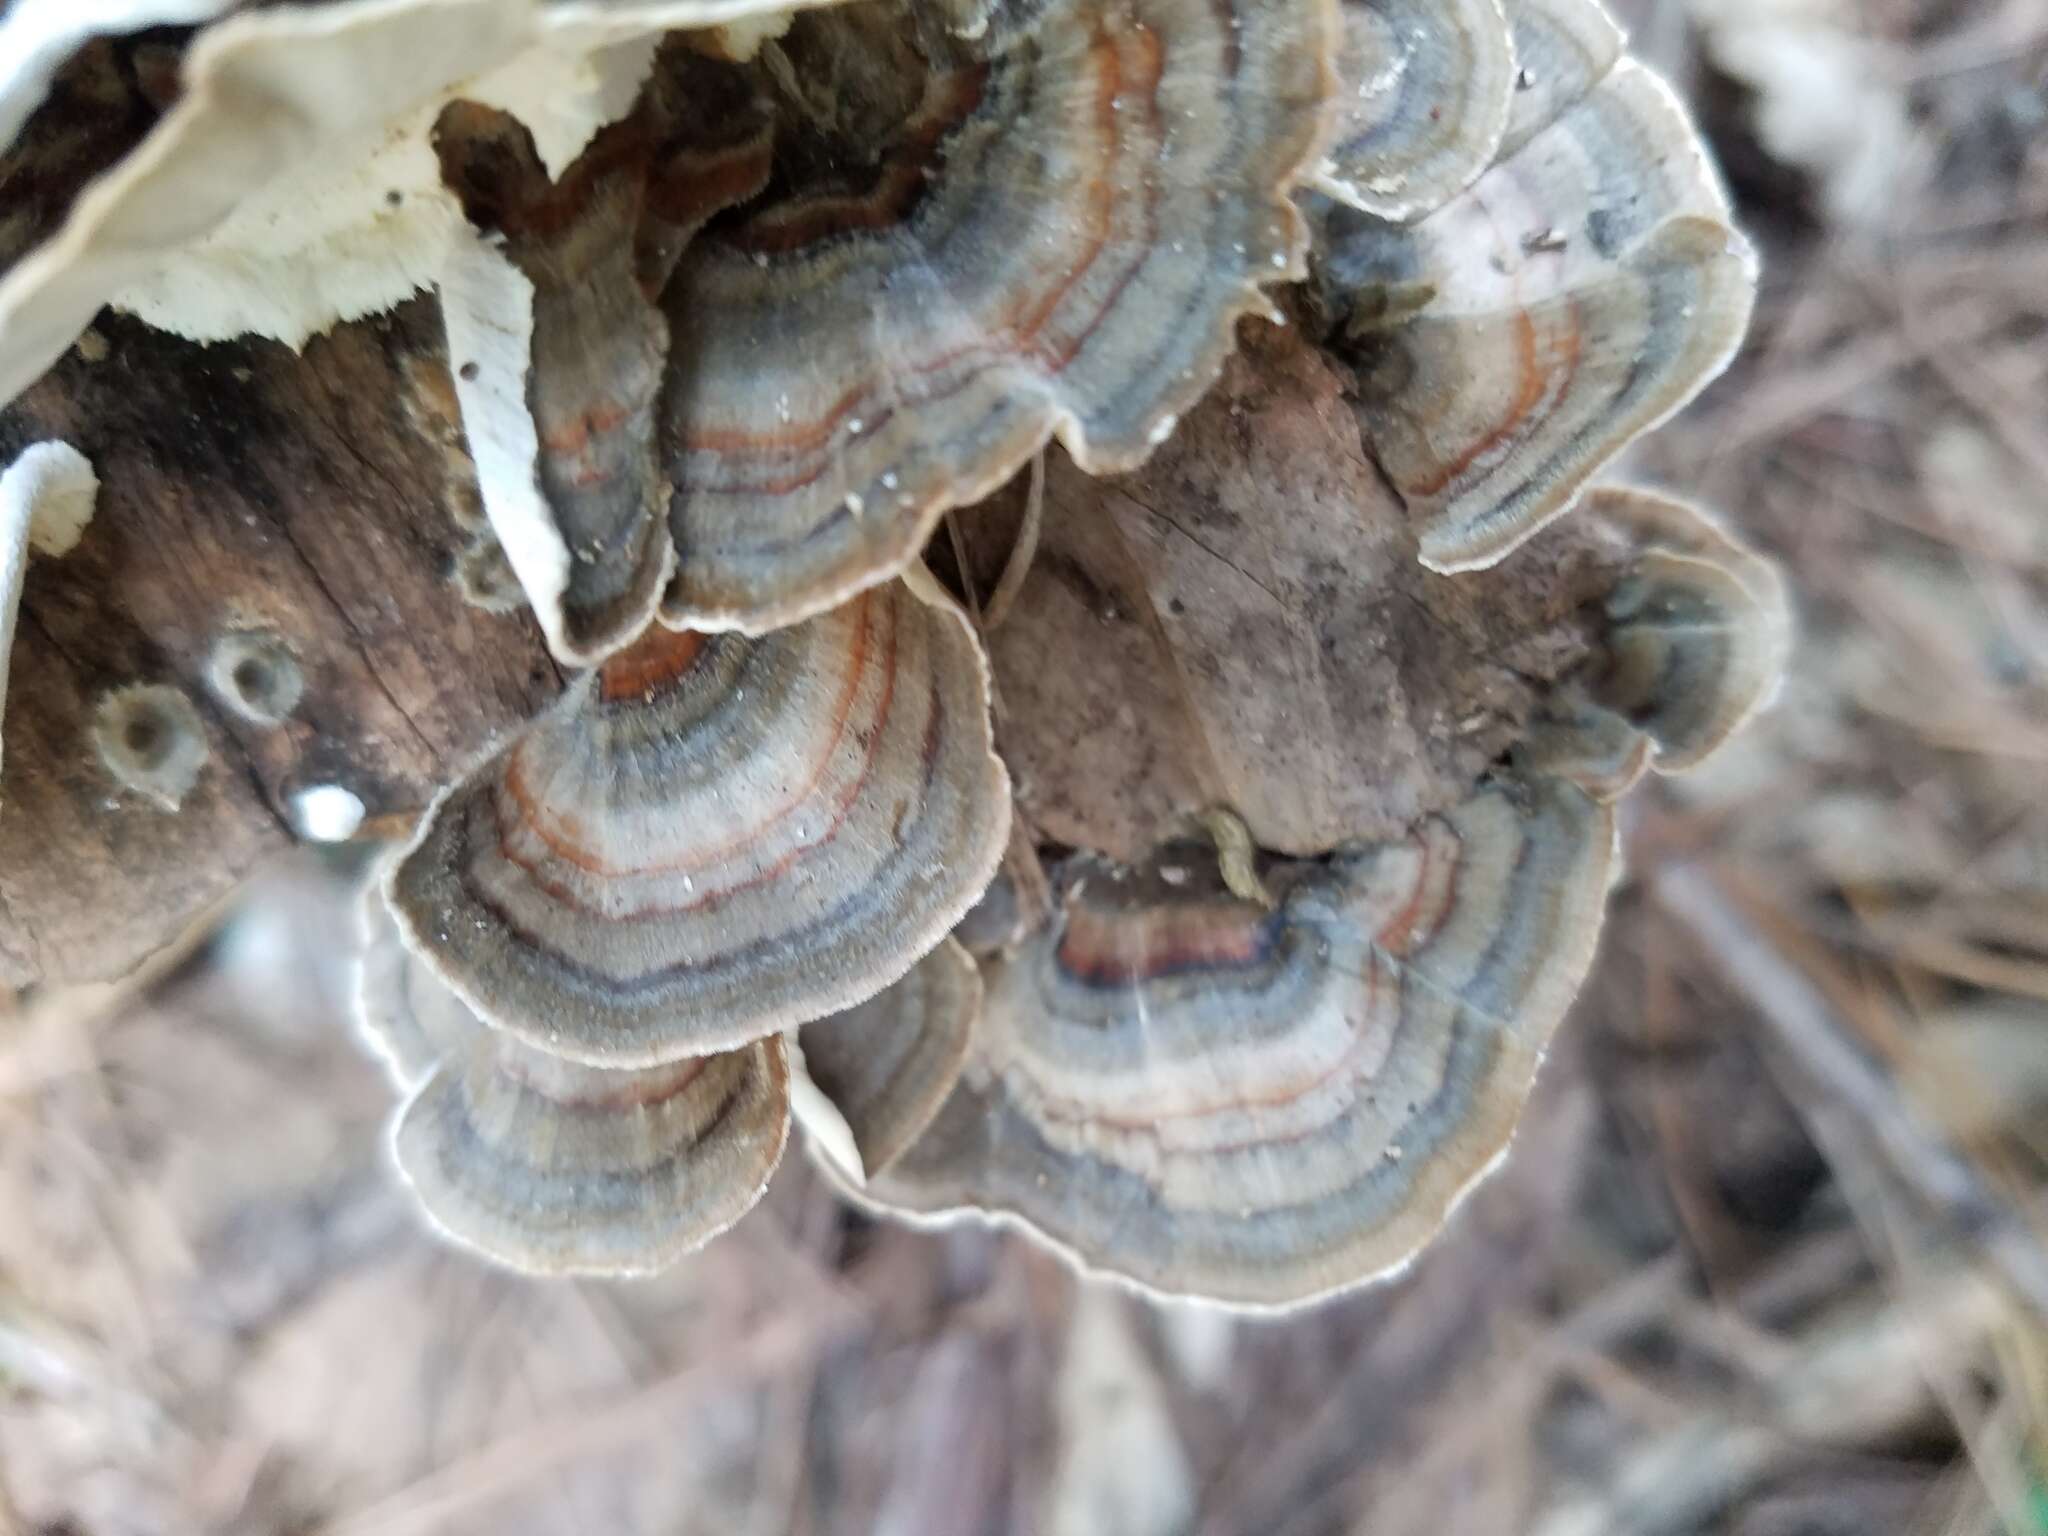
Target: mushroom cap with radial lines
{"points": [[1056, 237], [559, 346], [716, 837], [550, 1167], [554, 1168], [1511, 344], [1695, 639], [1424, 93], [1205, 1097]]}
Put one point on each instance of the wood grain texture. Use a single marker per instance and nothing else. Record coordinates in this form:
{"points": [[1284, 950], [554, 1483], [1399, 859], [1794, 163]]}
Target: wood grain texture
{"points": [[242, 486]]}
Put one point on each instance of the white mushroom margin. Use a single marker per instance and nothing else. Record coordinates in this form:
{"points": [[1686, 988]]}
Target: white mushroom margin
{"points": [[47, 496]]}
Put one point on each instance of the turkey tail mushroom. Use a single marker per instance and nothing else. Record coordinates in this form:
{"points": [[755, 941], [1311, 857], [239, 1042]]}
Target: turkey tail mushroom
{"points": [[714, 837], [548, 1166], [554, 1168], [1514, 342], [1697, 633], [1260, 1107], [1425, 88], [560, 348], [1057, 237], [558, 357], [888, 1064], [1563, 48]]}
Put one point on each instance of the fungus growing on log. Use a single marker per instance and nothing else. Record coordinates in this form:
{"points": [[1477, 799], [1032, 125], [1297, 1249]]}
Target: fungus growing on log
{"points": [[875, 331], [560, 348], [1261, 1101], [551, 1167], [1207, 1097], [558, 356], [715, 837], [1424, 92], [556, 1168], [1695, 639], [1511, 344], [700, 316], [1064, 222], [290, 183]]}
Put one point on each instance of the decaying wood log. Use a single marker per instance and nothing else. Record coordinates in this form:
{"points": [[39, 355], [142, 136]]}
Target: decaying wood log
{"points": [[1247, 610], [243, 488]]}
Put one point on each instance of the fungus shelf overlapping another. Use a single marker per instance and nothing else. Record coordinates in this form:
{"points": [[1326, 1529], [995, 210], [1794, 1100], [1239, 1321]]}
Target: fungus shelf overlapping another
{"points": [[714, 837], [554, 1166], [1269, 798], [1259, 1106]]}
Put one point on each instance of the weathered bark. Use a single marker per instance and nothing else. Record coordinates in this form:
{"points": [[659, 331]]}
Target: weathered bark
{"points": [[242, 486], [1244, 622]]}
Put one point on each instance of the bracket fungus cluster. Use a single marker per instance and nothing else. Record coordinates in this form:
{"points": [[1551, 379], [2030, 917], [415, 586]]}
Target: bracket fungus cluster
{"points": [[1202, 902]]}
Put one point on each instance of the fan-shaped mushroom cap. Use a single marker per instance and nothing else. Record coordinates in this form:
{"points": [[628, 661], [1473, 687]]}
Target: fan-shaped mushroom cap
{"points": [[1056, 238], [1515, 341], [262, 200], [715, 837], [558, 344], [554, 1168], [1563, 48], [1206, 1097], [558, 357], [888, 1064], [1696, 640], [1424, 92], [46, 499], [551, 1167]]}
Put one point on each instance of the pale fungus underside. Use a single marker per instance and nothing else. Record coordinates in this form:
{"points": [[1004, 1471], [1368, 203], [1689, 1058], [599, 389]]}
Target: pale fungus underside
{"points": [[482, 338]]}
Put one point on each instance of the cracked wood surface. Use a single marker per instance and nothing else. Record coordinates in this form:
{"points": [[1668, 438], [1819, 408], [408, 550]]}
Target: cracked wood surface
{"points": [[242, 486]]}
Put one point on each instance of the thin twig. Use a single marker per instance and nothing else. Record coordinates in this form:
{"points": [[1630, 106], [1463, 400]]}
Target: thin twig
{"points": [[961, 558]]}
